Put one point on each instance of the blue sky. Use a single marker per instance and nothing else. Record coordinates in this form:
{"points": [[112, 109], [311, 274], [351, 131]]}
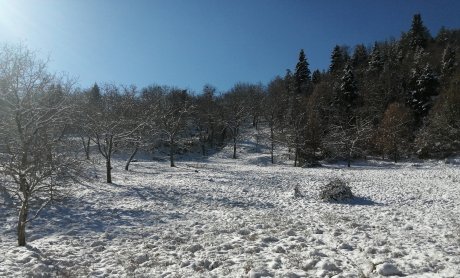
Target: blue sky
{"points": [[189, 43]]}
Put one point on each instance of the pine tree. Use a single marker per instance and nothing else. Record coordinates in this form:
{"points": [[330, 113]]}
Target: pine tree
{"points": [[337, 60], [302, 75], [94, 97], [316, 77], [440, 137], [449, 63], [418, 34], [348, 89], [442, 37], [424, 85], [360, 56], [289, 81], [375, 61]]}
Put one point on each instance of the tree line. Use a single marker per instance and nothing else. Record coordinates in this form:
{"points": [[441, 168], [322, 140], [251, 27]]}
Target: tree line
{"points": [[395, 99]]}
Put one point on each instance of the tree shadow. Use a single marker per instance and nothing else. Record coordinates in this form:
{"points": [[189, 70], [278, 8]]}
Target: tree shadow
{"points": [[363, 165], [358, 201], [180, 197], [77, 217]]}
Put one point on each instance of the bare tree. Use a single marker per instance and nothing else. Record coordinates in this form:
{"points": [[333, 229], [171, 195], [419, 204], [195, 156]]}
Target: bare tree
{"points": [[115, 124], [88, 104], [296, 135], [394, 133], [174, 107], [34, 148], [274, 110], [346, 139], [254, 103], [205, 118], [235, 112]]}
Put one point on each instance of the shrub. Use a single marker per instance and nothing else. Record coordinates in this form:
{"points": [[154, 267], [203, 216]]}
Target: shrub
{"points": [[297, 193], [336, 190]]}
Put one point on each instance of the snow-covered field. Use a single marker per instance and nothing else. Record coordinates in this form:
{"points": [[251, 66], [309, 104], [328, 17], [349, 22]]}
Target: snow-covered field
{"points": [[220, 217]]}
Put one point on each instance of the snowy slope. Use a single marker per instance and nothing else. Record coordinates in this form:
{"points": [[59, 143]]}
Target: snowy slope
{"points": [[220, 217]]}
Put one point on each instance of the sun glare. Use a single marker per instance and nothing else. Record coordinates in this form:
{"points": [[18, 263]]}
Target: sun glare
{"points": [[13, 20]]}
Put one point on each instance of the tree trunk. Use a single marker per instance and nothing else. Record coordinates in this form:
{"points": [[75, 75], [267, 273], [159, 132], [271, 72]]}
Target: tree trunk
{"points": [[22, 222], [211, 138], [234, 147], [203, 149], [131, 158], [203, 141], [272, 147], [108, 156], [395, 150], [349, 160], [171, 152], [221, 137], [108, 165], [296, 156], [86, 146]]}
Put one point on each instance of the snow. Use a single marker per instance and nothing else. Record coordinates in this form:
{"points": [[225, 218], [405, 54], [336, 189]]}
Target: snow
{"points": [[219, 217]]}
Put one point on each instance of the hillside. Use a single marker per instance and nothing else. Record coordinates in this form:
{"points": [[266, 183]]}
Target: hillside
{"points": [[219, 217]]}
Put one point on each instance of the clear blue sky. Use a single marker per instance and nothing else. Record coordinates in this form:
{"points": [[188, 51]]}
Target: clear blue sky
{"points": [[188, 43]]}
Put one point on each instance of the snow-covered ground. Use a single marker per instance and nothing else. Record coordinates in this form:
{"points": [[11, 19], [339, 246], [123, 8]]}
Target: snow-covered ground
{"points": [[220, 217]]}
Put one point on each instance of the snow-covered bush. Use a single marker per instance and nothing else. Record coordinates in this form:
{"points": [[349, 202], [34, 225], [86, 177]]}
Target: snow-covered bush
{"points": [[297, 193], [336, 190]]}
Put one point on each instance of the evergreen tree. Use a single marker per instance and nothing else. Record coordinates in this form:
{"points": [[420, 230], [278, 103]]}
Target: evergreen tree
{"points": [[288, 78], [420, 57], [440, 137], [316, 77], [449, 63], [337, 60], [360, 56], [375, 61], [442, 37], [95, 97], [348, 92], [302, 75], [418, 34], [424, 85]]}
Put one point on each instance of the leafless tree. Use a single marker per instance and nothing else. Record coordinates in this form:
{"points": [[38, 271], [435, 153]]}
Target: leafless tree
{"points": [[347, 138], [205, 117], [86, 105], [173, 109], [117, 123], [394, 133], [235, 112], [33, 118], [274, 110]]}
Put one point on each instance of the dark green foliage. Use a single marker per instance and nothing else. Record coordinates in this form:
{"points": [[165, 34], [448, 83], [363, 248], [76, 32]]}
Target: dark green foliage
{"points": [[302, 75], [449, 63], [360, 56], [375, 65], [424, 85], [418, 34], [440, 136], [94, 97], [316, 77], [348, 92], [337, 60], [289, 81]]}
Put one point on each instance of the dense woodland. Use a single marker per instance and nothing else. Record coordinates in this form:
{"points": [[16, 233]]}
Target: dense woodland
{"points": [[396, 99]]}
